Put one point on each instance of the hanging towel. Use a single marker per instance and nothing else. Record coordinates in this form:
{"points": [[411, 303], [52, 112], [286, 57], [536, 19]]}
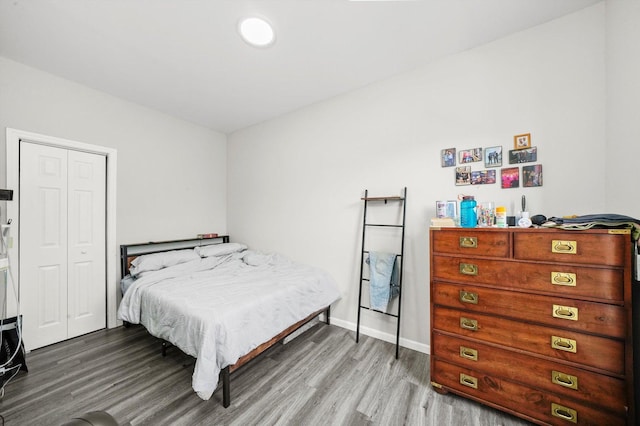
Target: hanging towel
{"points": [[383, 279]]}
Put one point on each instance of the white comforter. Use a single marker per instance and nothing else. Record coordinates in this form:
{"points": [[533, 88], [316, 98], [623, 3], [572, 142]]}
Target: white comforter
{"points": [[217, 309]]}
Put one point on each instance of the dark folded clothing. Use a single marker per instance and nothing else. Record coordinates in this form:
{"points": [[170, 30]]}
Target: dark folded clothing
{"points": [[606, 220]]}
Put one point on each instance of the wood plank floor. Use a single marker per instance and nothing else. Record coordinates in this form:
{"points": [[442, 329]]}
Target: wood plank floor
{"points": [[320, 378]]}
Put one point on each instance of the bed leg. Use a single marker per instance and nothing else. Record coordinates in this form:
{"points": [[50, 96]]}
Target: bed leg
{"points": [[327, 315], [164, 348], [226, 387]]}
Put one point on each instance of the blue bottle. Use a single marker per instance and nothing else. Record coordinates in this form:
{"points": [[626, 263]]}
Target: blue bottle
{"points": [[468, 217]]}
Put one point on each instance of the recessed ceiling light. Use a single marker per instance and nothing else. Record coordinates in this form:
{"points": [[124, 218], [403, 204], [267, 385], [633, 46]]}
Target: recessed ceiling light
{"points": [[257, 32]]}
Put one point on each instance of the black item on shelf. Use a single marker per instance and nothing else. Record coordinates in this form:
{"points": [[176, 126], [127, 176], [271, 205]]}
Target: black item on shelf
{"points": [[12, 351], [538, 219]]}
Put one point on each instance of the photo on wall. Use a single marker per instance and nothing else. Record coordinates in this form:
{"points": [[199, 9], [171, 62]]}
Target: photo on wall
{"points": [[463, 175], [528, 155], [448, 157], [493, 156], [510, 177], [532, 176], [522, 141], [470, 155], [483, 177]]}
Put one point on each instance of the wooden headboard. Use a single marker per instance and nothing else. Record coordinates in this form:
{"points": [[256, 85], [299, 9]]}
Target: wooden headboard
{"points": [[128, 252]]}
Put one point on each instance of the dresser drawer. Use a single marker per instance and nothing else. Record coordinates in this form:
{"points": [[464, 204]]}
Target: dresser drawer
{"points": [[565, 280], [513, 397], [471, 242], [571, 247], [563, 345], [590, 317], [574, 383]]}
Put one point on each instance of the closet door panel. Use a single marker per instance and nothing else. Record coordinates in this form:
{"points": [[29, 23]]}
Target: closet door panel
{"points": [[86, 245], [43, 244]]}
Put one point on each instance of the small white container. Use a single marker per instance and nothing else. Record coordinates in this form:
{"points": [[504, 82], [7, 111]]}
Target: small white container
{"points": [[501, 217]]}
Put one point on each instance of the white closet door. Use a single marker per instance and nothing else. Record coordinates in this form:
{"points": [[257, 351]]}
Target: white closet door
{"points": [[62, 243], [43, 244], [86, 243]]}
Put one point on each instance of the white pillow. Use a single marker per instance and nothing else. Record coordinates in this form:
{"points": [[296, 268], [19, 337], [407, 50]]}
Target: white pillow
{"points": [[253, 258], [219, 249], [157, 261]]}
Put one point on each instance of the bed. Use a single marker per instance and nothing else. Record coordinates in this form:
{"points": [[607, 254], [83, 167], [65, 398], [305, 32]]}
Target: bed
{"points": [[219, 301]]}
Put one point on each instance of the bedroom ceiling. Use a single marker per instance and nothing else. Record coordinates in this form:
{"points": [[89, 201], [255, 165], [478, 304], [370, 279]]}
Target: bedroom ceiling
{"points": [[186, 58]]}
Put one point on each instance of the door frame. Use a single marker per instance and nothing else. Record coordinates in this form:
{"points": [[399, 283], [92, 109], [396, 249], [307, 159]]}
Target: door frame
{"points": [[14, 136]]}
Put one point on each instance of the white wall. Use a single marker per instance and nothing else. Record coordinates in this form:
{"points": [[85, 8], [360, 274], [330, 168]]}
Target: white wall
{"points": [[171, 177], [623, 107], [295, 182], [171, 174]]}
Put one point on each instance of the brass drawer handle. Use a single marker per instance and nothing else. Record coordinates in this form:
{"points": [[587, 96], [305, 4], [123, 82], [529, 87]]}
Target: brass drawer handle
{"points": [[468, 297], [469, 324], [564, 278], [468, 353], [565, 312], [564, 344], [469, 381], [468, 242], [563, 412], [562, 246], [566, 380], [468, 269]]}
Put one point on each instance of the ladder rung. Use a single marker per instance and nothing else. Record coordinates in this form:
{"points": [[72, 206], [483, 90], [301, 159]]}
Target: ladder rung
{"points": [[367, 252], [382, 224], [380, 312], [392, 198]]}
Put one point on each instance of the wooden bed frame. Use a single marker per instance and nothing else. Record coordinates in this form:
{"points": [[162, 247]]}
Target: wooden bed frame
{"points": [[129, 252]]}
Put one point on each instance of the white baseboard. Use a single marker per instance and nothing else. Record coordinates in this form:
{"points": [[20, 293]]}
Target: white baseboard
{"points": [[377, 334]]}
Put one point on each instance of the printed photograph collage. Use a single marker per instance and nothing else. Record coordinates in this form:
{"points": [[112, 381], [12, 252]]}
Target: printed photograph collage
{"points": [[511, 176]]}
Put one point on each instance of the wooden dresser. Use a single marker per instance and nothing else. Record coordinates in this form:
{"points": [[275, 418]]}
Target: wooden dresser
{"points": [[534, 322]]}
